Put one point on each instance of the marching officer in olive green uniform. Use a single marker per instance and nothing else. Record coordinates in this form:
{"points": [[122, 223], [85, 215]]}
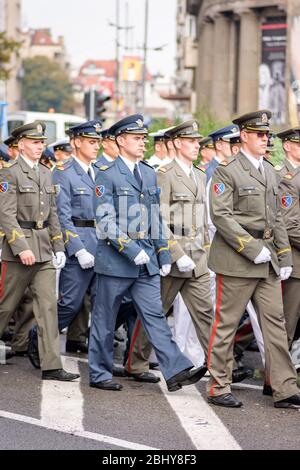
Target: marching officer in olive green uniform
{"points": [[183, 209], [32, 233], [251, 254], [289, 190]]}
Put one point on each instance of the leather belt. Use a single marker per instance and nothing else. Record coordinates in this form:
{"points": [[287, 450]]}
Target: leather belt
{"points": [[38, 225], [260, 234], [84, 222]]}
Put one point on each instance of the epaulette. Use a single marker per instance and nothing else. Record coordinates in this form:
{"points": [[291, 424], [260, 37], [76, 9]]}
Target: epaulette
{"points": [[146, 163], [289, 176], [8, 164], [278, 167], [64, 166], [224, 163], [165, 168]]}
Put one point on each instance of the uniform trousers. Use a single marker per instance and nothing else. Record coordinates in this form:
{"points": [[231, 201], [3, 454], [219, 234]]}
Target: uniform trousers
{"points": [[233, 294]]}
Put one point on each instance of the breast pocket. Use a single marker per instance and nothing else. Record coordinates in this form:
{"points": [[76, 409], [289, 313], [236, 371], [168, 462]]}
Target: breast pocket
{"points": [[153, 193], [177, 197], [27, 195], [81, 197], [248, 198]]}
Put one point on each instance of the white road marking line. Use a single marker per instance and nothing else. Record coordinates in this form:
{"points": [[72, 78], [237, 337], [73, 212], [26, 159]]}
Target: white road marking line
{"points": [[202, 425], [84, 434]]}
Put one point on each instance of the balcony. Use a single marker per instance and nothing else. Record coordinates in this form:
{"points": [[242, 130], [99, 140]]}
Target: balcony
{"points": [[190, 54]]}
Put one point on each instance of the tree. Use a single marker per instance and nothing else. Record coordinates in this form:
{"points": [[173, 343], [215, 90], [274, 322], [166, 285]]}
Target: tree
{"points": [[46, 86], [7, 48]]}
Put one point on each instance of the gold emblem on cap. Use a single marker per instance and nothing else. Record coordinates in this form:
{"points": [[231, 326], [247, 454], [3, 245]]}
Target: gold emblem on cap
{"points": [[264, 118], [234, 129], [39, 128], [195, 126], [98, 127], [140, 123]]}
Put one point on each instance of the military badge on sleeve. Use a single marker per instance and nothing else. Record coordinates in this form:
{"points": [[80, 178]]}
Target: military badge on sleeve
{"points": [[4, 187], [99, 190], [219, 188], [286, 201]]}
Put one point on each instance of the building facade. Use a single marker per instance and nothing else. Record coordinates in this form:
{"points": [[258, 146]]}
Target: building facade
{"points": [[246, 57]]}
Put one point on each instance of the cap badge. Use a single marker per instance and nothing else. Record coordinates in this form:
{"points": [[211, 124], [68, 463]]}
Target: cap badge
{"points": [[195, 126], [39, 128], [264, 118], [98, 127], [140, 123]]}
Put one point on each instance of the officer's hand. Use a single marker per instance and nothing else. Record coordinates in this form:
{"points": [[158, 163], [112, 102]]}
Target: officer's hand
{"points": [[59, 260], [27, 258], [141, 258], [165, 270], [185, 264], [263, 257], [285, 272], [85, 259]]}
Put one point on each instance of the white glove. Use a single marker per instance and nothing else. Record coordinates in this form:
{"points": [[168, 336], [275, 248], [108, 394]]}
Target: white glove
{"points": [[185, 264], [285, 273], [263, 257], [85, 259], [141, 258], [0, 255], [59, 260], [165, 269]]}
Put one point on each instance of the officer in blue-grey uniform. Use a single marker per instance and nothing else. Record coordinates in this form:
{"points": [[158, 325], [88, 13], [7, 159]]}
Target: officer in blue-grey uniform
{"points": [[221, 139], [75, 182], [110, 149], [130, 258]]}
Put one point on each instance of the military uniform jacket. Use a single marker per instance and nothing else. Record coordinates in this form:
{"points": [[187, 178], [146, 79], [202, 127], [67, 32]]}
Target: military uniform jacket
{"points": [[28, 196], [74, 200], [128, 220], [289, 191], [184, 212], [242, 200]]}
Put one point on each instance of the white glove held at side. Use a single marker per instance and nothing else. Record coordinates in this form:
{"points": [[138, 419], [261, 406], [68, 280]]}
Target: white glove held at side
{"points": [[141, 258], [185, 264], [85, 259], [263, 257]]}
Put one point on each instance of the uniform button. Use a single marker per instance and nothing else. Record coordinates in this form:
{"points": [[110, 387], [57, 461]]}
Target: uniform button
{"points": [[143, 209], [42, 213], [142, 196], [42, 203], [41, 192], [268, 207], [125, 192], [108, 243], [28, 189]]}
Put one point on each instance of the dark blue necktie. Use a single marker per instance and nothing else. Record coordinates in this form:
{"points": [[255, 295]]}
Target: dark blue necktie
{"points": [[137, 175]]}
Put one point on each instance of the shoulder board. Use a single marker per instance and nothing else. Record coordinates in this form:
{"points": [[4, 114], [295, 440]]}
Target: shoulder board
{"points": [[8, 164], [224, 163], [289, 176], [278, 167], [46, 166], [165, 168], [64, 166], [146, 163]]}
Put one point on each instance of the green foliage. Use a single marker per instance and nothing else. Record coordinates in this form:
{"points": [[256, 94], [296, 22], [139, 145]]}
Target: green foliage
{"points": [[278, 154], [46, 85], [7, 48], [208, 122]]}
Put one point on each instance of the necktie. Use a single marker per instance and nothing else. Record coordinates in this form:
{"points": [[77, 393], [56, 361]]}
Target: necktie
{"points": [[261, 170], [193, 177], [36, 168], [90, 174], [137, 175]]}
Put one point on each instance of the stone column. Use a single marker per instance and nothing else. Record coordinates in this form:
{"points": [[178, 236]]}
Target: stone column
{"points": [[220, 75], [205, 63], [249, 60]]}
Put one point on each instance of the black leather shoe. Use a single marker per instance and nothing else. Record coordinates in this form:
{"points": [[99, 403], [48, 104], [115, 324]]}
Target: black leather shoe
{"points": [[59, 374], [239, 375], [292, 402], [227, 400], [185, 377], [76, 347], [144, 377], [119, 371], [267, 390], [107, 385], [33, 353], [21, 353]]}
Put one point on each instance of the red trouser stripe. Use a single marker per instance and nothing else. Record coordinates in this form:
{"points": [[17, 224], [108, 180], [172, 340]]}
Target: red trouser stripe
{"points": [[3, 275], [243, 332], [216, 322], [133, 340]]}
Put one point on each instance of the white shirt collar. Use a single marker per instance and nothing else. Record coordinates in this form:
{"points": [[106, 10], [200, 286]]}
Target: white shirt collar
{"points": [[129, 163], [83, 165], [293, 164], [155, 160], [29, 162], [184, 167], [107, 157], [255, 162], [219, 159]]}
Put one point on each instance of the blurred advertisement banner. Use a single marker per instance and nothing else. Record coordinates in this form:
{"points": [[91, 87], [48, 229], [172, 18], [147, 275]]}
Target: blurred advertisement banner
{"points": [[272, 91]]}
